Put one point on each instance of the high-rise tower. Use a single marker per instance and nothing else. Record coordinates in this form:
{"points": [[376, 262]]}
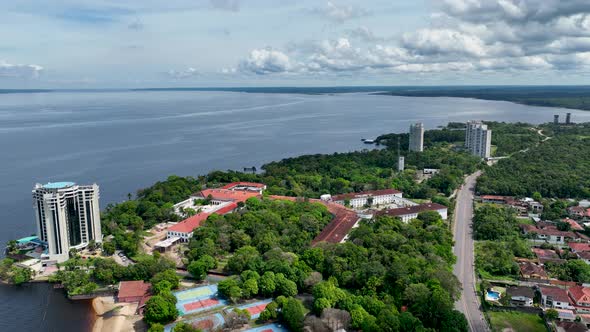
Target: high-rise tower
{"points": [[417, 137], [68, 217], [478, 139]]}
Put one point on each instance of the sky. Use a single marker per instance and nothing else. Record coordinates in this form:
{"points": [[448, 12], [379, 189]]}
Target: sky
{"points": [[210, 43]]}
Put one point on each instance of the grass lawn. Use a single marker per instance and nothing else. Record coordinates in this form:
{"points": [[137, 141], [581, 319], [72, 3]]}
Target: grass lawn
{"points": [[487, 276], [516, 321]]}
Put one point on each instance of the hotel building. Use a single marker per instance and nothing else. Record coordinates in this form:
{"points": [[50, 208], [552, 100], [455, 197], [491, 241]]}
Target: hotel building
{"points": [[67, 216]]}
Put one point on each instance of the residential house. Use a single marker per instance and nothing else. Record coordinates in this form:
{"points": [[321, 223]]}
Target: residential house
{"points": [[549, 234], [580, 296], [530, 270], [566, 315], [578, 212], [585, 256], [547, 255], [521, 296], [555, 297], [570, 327], [574, 226], [578, 247]]}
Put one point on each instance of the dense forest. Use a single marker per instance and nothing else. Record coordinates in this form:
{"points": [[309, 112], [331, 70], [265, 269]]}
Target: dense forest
{"points": [[386, 265], [556, 168], [575, 97]]}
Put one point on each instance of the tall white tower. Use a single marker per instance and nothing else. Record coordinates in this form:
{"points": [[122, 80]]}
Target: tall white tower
{"points": [[478, 139], [68, 216], [417, 137]]}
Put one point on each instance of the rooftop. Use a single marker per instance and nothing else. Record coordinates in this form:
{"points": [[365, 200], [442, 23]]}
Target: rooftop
{"points": [[555, 293], [189, 224], [580, 294], [413, 209], [244, 184], [366, 194], [579, 247], [229, 195], [521, 291], [133, 288], [58, 185]]}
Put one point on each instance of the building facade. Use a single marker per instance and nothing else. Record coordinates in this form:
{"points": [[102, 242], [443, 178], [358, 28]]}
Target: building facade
{"points": [[67, 216], [369, 198], [417, 137], [478, 139]]}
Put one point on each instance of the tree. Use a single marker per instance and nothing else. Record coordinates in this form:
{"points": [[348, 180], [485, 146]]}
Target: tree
{"points": [[320, 304], [198, 270], [267, 283], [159, 309], [293, 314], [285, 286], [430, 218], [156, 327], [551, 314], [249, 288], [185, 327], [236, 319], [230, 289], [108, 248], [168, 275], [20, 275], [245, 258], [161, 287], [270, 312]]}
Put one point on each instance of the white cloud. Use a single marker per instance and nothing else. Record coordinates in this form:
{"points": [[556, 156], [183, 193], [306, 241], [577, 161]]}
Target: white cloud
{"points": [[266, 61], [8, 70], [340, 13], [183, 74]]}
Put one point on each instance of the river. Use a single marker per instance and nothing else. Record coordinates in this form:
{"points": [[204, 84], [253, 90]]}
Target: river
{"points": [[127, 140]]}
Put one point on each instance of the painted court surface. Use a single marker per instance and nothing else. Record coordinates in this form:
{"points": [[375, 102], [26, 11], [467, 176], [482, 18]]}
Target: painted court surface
{"points": [[269, 328], [207, 323], [198, 299], [255, 308]]}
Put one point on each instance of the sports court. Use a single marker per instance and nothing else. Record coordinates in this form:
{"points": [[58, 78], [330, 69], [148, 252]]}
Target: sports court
{"points": [[255, 308], [207, 323], [198, 299], [269, 328]]}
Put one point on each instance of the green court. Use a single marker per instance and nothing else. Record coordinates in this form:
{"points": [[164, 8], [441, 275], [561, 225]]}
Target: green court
{"points": [[194, 293]]}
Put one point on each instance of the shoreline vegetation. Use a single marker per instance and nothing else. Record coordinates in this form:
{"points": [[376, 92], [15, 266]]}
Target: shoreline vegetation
{"points": [[571, 97], [388, 273]]}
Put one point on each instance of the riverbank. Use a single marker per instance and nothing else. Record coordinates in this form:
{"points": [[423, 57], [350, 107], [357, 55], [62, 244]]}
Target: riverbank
{"points": [[116, 317]]}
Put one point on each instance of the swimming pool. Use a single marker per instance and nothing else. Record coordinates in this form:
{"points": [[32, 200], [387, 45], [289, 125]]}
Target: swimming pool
{"points": [[492, 295]]}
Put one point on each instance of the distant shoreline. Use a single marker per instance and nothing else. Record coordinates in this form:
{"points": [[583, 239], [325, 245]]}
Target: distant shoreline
{"points": [[570, 97]]}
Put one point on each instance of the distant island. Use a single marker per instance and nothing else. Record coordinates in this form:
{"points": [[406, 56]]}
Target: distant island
{"points": [[571, 96]]}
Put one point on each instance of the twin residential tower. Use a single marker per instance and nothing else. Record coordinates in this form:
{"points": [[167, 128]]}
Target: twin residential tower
{"points": [[478, 139], [67, 216]]}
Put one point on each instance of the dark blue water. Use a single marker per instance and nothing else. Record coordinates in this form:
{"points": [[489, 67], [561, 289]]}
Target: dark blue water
{"points": [[125, 141]]}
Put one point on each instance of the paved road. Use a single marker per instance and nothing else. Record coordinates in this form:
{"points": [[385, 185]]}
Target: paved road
{"points": [[468, 304]]}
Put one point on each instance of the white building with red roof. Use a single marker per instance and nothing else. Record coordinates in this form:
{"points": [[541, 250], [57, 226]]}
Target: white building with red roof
{"points": [[221, 201], [555, 297], [378, 197], [411, 212]]}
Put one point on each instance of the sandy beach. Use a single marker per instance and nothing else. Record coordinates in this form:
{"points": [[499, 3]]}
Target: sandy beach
{"points": [[116, 317]]}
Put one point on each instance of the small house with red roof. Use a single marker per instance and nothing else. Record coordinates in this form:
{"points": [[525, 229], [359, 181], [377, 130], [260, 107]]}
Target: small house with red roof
{"points": [[580, 296], [555, 297], [133, 291], [573, 224]]}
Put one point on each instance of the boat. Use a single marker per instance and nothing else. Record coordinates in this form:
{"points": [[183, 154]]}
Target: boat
{"points": [[369, 141]]}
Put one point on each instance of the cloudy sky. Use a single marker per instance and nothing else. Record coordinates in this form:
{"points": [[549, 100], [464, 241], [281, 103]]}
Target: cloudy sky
{"points": [[147, 43]]}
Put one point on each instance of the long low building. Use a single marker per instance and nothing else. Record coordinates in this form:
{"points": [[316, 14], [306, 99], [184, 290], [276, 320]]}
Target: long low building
{"points": [[220, 201], [377, 197], [411, 212]]}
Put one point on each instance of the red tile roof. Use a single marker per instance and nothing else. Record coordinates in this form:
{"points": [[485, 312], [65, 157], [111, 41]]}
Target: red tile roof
{"points": [[229, 195], [548, 230], [556, 293], [580, 294], [187, 225], [227, 209], [574, 225], [245, 184], [413, 209], [529, 269], [343, 221], [133, 288], [371, 193], [584, 255], [579, 247]]}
